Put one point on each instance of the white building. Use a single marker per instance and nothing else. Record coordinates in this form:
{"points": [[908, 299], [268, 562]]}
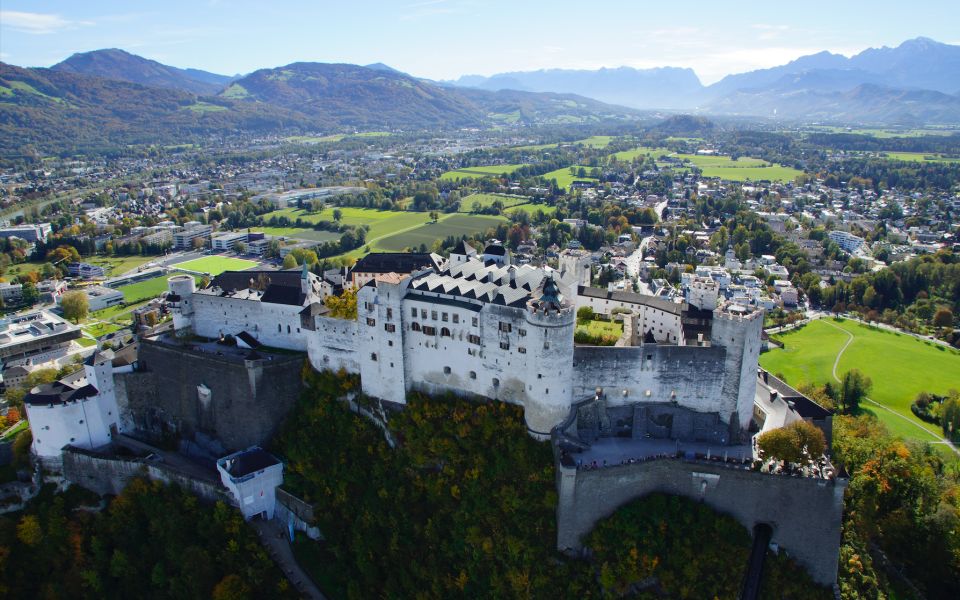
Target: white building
{"points": [[846, 240], [100, 297], [85, 270], [252, 477], [34, 232], [34, 334], [79, 410], [227, 240], [184, 239]]}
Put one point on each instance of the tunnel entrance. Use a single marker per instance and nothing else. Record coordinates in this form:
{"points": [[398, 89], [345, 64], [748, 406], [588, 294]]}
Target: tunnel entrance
{"points": [[762, 534]]}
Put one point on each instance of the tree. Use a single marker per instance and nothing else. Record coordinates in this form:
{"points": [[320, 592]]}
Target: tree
{"points": [[585, 313], [434, 216], [943, 318], [337, 215], [40, 376], [240, 248], [343, 306], [794, 442], [29, 531], [854, 387], [30, 294], [75, 306], [289, 262], [198, 243], [231, 587]]}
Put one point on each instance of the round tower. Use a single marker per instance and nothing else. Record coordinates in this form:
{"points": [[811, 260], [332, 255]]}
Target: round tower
{"points": [[180, 300], [551, 319]]}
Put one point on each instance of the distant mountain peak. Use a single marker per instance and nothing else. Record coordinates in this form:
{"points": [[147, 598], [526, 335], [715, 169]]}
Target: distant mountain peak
{"points": [[118, 64]]}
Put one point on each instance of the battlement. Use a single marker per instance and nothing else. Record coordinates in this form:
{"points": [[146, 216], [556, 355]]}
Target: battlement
{"points": [[736, 312]]}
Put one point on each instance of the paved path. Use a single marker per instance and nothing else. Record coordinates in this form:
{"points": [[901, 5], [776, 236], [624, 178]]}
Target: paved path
{"points": [[274, 539], [940, 439]]}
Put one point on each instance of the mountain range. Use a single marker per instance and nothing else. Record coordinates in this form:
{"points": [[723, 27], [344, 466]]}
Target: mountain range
{"points": [[914, 82], [107, 98]]}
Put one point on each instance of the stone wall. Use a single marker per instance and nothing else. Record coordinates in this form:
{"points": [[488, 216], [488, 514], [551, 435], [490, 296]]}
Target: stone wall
{"points": [[693, 376], [804, 513], [247, 399], [105, 474]]}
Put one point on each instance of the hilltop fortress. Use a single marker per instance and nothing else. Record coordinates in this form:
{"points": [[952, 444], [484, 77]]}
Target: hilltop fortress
{"points": [[480, 326], [655, 412]]}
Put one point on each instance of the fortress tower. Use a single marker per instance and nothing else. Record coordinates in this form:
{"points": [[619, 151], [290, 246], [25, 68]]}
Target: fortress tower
{"points": [[551, 319], [738, 329], [180, 299]]}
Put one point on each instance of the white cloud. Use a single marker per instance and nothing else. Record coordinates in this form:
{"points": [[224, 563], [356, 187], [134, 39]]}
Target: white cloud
{"points": [[37, 23]]}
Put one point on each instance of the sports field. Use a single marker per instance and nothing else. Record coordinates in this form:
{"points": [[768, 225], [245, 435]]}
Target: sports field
{"points": [[899, 365], [142, 290], [531, 209], [214, 265], [479, 172], [565, 178], [456, 225]]}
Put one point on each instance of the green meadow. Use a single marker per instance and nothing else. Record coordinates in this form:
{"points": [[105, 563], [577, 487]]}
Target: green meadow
{"points": [[900, 366], [480, 172], [565, 178], [920, 157], [214, 265]]}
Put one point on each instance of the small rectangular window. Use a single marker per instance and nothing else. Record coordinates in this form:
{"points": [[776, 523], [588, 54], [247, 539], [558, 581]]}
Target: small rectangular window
{"points": [[423, 313], [428, 330], [413, 313], [389, 313], [507, 327], [456, 318], [390, 327], [445, 317], [474, 339], [504, 345], [371, 322], [373, 356], [476, 321], [522, 332], [433, 315], [521, 350]]}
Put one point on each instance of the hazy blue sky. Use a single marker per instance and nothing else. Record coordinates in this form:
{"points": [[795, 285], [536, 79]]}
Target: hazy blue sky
{"points": [[448, 38]]}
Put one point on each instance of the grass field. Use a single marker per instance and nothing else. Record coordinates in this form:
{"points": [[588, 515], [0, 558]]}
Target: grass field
{"points": [[597, 327], [302, 233], [565, 178], [884, 133], [456, 225], [118, 265], [531, 209], [742, 169], [920, 157], [899, 365], [594, 141], [487, 200], [101, 329], [629, 155], [381, 222], [136, 292], [215, 265], [479, 172]]}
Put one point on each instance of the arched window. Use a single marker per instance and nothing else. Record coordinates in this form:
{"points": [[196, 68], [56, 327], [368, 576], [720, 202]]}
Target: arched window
{"points": [[415, 326], [473, 374], [288, 329], [444, 332], [446, 370], [496, 382], [279, 328]]}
